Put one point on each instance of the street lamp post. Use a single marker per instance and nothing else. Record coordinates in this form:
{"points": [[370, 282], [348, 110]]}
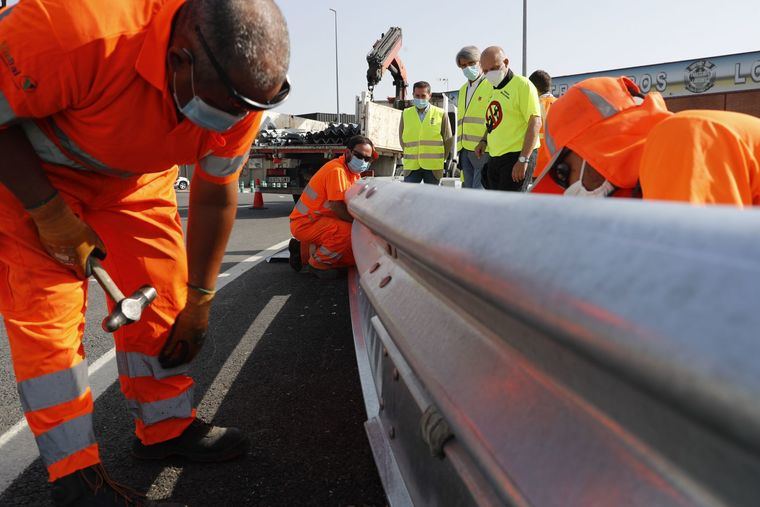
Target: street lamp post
{"points": [[337, 89], [525, 38]]}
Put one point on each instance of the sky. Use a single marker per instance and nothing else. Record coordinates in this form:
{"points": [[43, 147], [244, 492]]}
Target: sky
{"points": [[564, 37]]}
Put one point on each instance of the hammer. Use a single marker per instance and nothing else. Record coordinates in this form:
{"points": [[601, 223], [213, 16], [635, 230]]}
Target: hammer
{"points": [[128, 309]]}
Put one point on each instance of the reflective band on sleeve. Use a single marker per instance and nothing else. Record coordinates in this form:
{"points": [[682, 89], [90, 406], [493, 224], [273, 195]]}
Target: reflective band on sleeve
{"points": [[309, 191], [45, 148], [135, 364], [179, 407], [435, 144], [550, 145], [91, 161], [329, 253], [221, 166], [54, 388], [66, 439], [301, 207], [600, 103], [6, 113]]}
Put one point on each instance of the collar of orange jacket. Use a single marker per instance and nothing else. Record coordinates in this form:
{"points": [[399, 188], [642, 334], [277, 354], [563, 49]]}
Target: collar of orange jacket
{"points": [[151, 63], [614, 146]]}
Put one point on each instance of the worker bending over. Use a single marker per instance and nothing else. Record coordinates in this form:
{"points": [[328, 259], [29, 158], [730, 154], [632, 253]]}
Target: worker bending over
{"points": [[320, 222], [513, 120], [474, 97], [98, 103], [607, 138], [425, 135], [543, 83]]}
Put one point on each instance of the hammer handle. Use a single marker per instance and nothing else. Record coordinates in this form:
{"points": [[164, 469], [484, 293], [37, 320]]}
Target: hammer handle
{"points": [[105, 280]]}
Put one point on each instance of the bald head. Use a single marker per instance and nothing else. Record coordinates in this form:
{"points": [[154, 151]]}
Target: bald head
{"points": [[492, 57], [249, 38]]}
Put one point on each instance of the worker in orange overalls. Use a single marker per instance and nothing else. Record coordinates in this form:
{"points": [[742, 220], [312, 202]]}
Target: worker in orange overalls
{"points": [[543, 83], [320, 222], [98, 102], [608, 139]]}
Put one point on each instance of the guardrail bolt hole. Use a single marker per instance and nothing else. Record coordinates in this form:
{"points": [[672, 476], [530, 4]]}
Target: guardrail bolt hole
{"points": [[385, 352], [382, 404], [392, 433], [371, 192], [395, 373], [385, 281], [375, 267], [363, 189]]}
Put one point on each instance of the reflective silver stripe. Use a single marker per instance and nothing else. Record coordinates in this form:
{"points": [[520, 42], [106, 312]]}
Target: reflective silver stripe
{"points": [[179, 407], [435, 144], [411, 144], [54, 388], [45, 148], [135, 364], [90, 160], [550, 144], [66, 439], [222, 166], [467, 137], [431, 156], [329, 253], [309, 191], [600, 103], [301, 207], [6, 113], [473, 120], [4, 12]]}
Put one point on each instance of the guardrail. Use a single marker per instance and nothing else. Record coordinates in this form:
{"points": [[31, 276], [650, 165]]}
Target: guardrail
{"points": [[538, 350]]}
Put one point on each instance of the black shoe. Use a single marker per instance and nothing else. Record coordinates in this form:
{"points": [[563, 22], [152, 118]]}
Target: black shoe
{"points": [[201, 441], [294, 248], [91, 487], [329, 274]]}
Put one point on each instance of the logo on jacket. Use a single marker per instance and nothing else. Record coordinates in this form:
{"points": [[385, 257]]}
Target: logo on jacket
{"points": [[494, 115], [700, 76]]}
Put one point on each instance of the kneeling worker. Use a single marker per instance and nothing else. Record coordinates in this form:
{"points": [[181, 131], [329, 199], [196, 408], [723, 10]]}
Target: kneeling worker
{"points": [[320, 220]]}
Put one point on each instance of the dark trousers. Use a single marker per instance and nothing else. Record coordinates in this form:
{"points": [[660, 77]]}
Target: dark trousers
{"points": [[500, 172], [419, 175]]}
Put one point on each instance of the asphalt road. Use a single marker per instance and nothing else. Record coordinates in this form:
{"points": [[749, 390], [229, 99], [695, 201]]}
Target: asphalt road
{"points": [[279, 364]]}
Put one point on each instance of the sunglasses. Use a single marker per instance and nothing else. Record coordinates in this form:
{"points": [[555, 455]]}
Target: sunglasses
{"points": [[560, 173], [242, 100], [366, 158]]}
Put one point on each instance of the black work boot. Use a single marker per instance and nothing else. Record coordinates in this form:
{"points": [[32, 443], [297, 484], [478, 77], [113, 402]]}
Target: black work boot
{"points": [[330, 274], [201, 441], [294, 249], [91, 487]]}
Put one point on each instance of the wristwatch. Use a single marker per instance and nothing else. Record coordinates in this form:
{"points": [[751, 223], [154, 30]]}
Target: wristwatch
{"points": [[522, 160]]}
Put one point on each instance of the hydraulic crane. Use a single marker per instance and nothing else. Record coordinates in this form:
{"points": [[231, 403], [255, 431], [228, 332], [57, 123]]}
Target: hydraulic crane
{"points": [[385, 56]]}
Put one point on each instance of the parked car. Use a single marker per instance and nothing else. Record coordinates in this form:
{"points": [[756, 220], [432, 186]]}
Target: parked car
{"points": [[182, 183]]}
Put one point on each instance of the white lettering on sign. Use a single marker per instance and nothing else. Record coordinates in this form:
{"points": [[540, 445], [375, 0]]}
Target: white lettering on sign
{"points": [[661, 84], [756, 72], [738, 78]]}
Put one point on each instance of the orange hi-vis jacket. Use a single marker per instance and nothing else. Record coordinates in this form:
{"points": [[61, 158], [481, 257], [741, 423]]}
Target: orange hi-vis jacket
{"points": [[312, 222], [546, 102], [703, 157], [87, 81]]}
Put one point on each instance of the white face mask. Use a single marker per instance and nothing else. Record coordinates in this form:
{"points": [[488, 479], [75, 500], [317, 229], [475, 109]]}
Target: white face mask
{"points": [[578, 190], [496, 76]]}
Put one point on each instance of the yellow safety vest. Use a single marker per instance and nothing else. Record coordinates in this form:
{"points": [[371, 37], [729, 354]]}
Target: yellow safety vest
{"points": [[471, 126], [423, 144]]}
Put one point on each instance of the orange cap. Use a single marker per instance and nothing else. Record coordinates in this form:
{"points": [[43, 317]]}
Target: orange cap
{"points": [[605, 121]]}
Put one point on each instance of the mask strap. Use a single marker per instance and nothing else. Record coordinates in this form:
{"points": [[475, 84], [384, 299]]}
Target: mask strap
{"points": [[192, 71], [583, 170]]}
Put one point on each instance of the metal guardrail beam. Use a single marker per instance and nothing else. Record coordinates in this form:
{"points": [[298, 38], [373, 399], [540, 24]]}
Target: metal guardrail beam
{"points": [[577, 351]]}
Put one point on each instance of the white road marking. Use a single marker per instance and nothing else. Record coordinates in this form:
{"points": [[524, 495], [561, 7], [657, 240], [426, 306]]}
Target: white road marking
{"points": [[17, 446], [209, 405]]}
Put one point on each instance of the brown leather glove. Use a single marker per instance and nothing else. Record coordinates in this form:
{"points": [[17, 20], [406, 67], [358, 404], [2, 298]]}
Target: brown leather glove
{"points": [[189, 331], [65, 237]]}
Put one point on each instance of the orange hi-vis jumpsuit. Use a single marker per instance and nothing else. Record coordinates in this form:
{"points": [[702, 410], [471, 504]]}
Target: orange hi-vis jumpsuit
{"points": [[312, 222], [546, 100], [703, 157], [87, 80]]}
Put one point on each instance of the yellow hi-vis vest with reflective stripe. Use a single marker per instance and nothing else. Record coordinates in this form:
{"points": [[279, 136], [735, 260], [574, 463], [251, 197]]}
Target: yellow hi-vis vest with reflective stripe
{"points": [[423, 144], [471, 125]]}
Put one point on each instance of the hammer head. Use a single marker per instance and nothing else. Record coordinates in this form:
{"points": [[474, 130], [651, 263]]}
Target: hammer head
{"points": [[129, 309]]}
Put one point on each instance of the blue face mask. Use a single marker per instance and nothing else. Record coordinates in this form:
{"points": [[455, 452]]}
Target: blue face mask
{"points": [[357, 165], [420, 103], [472, 72], [203, 115]]}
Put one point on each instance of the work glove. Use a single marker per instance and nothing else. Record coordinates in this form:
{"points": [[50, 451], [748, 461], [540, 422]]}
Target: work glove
{"points": [[189, 330], [65, 237]]}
